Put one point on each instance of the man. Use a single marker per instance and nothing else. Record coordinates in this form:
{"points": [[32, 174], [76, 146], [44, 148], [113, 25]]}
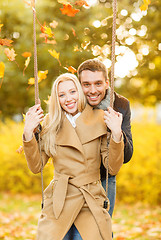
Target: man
{"points": [[93, 77]]}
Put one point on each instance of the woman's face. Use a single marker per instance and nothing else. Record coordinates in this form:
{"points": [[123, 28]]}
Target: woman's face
{"points": [[68, 96]]}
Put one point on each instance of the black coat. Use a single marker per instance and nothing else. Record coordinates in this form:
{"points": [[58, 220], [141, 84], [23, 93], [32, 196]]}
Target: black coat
{"points": [[122, 105]]}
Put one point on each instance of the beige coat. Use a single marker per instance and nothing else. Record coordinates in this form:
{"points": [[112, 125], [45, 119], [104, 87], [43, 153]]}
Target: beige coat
{"points": [[75, 195]]}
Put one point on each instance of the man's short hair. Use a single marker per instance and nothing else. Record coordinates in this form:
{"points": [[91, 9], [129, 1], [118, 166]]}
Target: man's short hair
{"points": [[93, 65]]}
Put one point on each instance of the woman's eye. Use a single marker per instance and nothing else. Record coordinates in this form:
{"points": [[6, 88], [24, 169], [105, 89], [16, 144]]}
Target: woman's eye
{"points": [[73, 91], [61, 95]]}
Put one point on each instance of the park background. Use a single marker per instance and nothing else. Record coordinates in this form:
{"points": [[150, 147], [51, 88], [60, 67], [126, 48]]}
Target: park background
{"points": [[63, 42]]}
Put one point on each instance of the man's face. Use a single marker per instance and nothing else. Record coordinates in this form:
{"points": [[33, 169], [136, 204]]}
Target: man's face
{"points": [[94, 86]]}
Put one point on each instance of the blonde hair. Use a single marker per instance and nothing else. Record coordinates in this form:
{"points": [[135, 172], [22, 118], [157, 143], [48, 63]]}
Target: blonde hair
{"points": [[54, 118]]}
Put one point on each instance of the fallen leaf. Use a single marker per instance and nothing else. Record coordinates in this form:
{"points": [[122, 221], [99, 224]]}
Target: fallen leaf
{"points": [[2, 67], [81, 3], [53, 24], [50, 41], [1, 25], [41, 76], [5, 42], [69, 11], [19, 150], [54, 54], [47, 101], [65, 2], [73, 31], [26, 64], [10, 53], [26, 54], [48, 31], [71, 69]]}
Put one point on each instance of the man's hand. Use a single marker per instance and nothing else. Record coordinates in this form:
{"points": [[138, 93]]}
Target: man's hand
{"points": [[113, 121]]}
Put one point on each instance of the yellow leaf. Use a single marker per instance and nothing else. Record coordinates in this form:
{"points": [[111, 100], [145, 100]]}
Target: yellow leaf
{"points": [[54, 54], [1, 25], [27, 62], [41, 76], [147, 2], [48, 31], [144, 7], [2, 67], [47, 101]]}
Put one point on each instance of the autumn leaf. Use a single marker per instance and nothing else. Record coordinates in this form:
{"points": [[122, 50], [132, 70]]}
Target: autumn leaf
{"points": [[69, 11], [1, 25], [81, 3], [53, 24], [145, 5], [10, 53], [65, 2], [26, 64], [19, 150], [5, 42], [2, 67], [54, 54], [73, 31], [41, 76], [47, 101], [50, 41], [48, 31], [26, 54], [71, 69]]}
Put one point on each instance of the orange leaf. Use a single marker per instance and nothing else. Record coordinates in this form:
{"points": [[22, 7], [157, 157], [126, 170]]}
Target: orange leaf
{"points": [[5, 42], [81, 3], [10, 54], [73, 32], [26, 54], [71, 69], [69, 11]]}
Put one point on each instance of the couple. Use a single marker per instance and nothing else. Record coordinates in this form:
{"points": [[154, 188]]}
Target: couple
{"points": [[74, 135]]}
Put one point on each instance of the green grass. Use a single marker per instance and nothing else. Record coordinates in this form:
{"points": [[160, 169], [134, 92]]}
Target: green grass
{"points": [[19, 215]]}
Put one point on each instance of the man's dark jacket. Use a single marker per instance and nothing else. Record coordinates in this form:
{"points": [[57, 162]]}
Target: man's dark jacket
{"points": [[121, 104]]}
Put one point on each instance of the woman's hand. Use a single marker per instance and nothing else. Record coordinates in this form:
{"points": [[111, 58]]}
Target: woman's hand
{"points": [[33, 117], [113, 121]]}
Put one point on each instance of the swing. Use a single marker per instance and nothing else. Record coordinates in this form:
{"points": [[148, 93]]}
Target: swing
{"points": [[111, 92]]}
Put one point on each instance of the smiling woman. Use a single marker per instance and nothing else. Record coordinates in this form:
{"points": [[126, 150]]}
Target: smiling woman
{"points": [[74, 135]]}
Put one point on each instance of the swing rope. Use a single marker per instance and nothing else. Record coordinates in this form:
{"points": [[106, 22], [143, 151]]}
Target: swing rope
{"points": [[37, 96], [111, 92], [112, 87]]}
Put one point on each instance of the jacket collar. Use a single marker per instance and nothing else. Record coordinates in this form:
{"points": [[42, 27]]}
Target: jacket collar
{"points": [[89, 126]]}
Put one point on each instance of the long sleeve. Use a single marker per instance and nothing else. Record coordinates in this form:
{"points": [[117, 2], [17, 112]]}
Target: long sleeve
{"points": [[32, 155], [116, 155]]}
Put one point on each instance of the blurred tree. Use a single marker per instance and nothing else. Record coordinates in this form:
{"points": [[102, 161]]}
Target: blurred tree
{"points": [[78, 38]]}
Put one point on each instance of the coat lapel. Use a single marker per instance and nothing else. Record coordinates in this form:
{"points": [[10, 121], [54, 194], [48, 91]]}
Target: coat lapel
{"points": [[90, 125], [67, 136]]}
